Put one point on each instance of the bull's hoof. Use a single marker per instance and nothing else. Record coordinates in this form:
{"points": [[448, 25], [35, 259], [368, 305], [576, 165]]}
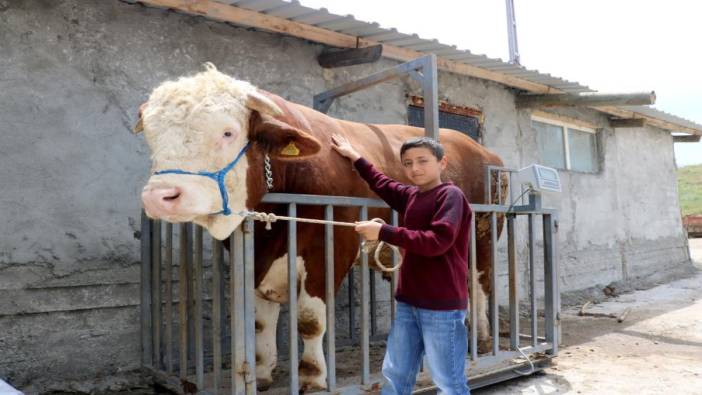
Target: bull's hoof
{"points": [[484, 346], [311, 386], [312, 376], [263, 384]]}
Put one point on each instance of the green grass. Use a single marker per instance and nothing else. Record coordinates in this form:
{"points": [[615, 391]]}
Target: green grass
{"points": [[690, 189]]}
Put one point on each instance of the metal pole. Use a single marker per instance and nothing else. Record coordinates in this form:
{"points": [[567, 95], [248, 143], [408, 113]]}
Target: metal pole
{"points": [[249, 308], [550, 284], [365, 296], [494, 308], [216, 316], [393, 278], [513, 284], [329, 293], [197, 294], [156, 291], [183, 300], [512, 33], [532, 282], [236, 289], [146, 292], [292, 297], [168, 263], [431, 97], [474, 291]]}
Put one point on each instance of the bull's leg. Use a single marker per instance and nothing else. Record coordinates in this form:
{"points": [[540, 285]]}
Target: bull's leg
{"points": [[267, 313], [484, 339], [311, 326]]}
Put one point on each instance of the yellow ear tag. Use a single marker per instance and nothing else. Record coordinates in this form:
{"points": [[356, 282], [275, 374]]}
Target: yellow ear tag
{"points": [[290, 150]]}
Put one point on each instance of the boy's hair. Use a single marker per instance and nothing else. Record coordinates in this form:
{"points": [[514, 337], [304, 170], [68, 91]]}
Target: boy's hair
{"points": [[423, 142]]}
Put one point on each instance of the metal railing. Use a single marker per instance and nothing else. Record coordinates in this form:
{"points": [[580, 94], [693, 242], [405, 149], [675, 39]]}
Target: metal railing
{"points": [[205, 354]]}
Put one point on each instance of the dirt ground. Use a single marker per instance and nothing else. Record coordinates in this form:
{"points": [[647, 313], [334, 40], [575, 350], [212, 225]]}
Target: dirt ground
{"points": [[657, 349]]}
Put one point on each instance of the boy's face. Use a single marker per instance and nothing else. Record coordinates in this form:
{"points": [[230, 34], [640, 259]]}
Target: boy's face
{"points": [[422, 167]]}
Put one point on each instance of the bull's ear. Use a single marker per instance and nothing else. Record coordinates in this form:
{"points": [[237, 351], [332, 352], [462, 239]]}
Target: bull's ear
{"points": [[257, 101], [139, 126], [281, 140]]}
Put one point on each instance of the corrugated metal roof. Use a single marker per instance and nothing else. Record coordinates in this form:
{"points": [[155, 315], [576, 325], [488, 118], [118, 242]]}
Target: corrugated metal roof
{"points": [[348, 24]]}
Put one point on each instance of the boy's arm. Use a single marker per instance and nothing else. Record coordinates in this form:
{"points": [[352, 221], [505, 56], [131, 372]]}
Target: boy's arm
{"points": [[394, 193], [441, 234]]}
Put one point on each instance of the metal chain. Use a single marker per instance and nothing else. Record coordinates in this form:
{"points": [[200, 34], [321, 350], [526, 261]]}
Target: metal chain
{"points": [[269, 172]]}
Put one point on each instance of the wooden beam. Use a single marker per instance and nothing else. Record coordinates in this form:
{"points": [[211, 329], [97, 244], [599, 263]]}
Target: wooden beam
{"points": [[331, 58], [627, 122], [586, 100], [240, 16], [562, 119], [686, 139]]}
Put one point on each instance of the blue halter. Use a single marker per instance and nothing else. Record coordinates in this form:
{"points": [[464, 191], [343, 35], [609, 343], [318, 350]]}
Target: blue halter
{"points": [[218, 176]]}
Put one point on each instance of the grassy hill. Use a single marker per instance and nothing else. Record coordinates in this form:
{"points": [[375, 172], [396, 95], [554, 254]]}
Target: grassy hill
{"points": [[690, 189]]}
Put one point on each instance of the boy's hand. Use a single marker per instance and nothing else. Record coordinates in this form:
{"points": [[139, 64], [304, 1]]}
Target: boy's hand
{"points": [[368, 229], [344, 148]]}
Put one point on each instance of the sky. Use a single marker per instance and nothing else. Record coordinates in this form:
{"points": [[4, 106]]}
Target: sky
{"points": [[621, 46]]}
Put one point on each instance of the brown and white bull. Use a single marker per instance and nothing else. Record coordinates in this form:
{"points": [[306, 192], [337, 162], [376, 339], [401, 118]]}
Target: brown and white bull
{"points": [[210, 121]]}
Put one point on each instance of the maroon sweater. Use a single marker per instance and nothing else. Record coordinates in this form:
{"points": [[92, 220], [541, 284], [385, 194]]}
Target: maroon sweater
{"points": [[435, 240]]}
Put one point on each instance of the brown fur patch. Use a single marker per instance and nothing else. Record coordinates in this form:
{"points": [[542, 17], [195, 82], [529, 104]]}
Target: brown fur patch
{"points": [[308, 368], [308, 325]]}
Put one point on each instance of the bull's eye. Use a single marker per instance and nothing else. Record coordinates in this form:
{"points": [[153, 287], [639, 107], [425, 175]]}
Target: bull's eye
{"points": [[227, 134]]}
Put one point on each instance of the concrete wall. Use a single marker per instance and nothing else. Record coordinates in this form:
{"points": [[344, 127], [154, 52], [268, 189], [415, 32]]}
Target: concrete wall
{"points": [[72, 75]]}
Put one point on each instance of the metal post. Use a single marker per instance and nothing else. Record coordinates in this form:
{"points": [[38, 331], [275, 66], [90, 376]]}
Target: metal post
{"points": [[197, 294], [216, 316], [494, 308], [168, 263], [373, 303], [156, 291], [365, 346], [532, 282], [393, 278], [292, 297], [512, 33], [474, 291], [513, 284], [146, 292], [236, 289], [183, 300], [352, 304], [431, 97], [551, 285], [249, 308], [329, 293]]}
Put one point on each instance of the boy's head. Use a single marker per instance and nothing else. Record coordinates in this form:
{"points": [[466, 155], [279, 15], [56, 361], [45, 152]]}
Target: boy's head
{"points": [[423, 160]]}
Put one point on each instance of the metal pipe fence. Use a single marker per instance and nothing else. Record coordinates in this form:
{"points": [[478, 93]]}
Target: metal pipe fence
{"points": [[189, 345]]}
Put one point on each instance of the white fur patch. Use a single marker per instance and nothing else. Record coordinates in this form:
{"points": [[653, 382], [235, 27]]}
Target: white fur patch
{"points": [[311, 314]]}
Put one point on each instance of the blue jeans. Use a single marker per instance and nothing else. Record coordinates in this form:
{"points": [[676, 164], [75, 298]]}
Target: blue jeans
{"points": [[442, 335]]}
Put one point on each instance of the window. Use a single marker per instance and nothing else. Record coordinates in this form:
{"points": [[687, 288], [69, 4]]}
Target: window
{"points": [[565, 146], [462, 119]]}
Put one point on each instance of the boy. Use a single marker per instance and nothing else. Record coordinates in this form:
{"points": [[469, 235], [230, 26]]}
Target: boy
{"points": [[432, 287]]}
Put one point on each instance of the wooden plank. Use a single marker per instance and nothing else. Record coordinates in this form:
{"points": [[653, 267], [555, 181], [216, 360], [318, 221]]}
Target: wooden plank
{"points": [[686, 139], [331, 58], [562, 119], [239, 16], [627, 122], [587, 100]]}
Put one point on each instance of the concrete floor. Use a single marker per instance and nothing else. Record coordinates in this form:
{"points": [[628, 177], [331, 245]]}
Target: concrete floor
{"points": [[657, 349]]}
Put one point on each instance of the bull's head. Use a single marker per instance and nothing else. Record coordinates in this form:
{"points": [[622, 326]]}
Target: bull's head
{"points": [[204, 132]]}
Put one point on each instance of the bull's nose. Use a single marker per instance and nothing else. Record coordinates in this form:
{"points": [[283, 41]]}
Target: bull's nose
{"points": [[160, 201]]}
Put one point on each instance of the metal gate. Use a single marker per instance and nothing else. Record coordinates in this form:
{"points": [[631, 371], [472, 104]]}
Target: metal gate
{"points": [[201, 338]]}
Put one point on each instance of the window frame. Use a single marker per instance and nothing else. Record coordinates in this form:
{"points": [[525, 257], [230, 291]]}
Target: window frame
{"points": [[565, 127]]}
